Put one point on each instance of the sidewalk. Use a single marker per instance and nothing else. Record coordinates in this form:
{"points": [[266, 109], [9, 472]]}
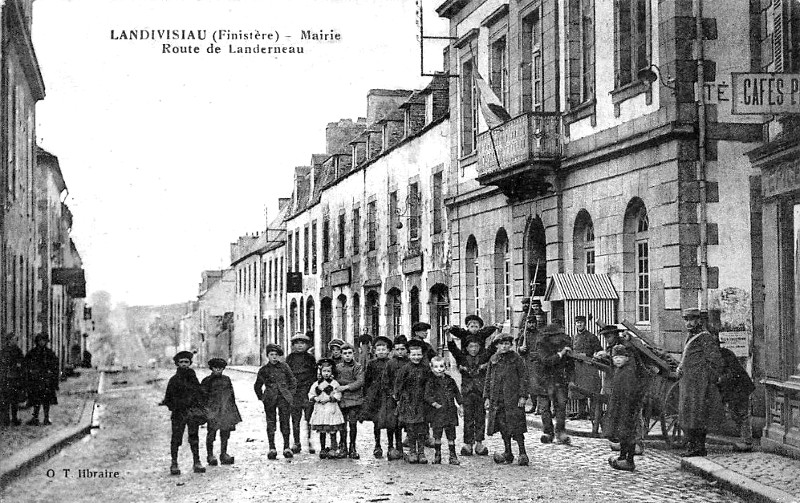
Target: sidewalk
{"points": [[24, 446]]}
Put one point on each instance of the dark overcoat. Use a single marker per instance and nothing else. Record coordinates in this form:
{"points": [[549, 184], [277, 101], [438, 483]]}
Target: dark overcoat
{"points": [[388, 380], [586, 376], [442, 390], [620, 421], [41, 372], [304, 367], [221, 402], [351, 375], [483, 333], [12, 375], [549, 366], [735, 384], [373, 397], [273, 380], [700, 403], [183, 392], [472, 368], [409, 389], [505, 384]]}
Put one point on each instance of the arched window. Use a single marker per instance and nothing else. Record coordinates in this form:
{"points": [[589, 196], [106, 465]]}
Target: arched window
{"points": [[502, 276], [535, 258], [440, 313], [293, 316], [310, 314], [636, 261], [394, 313], [472, 275], [372, 313], [302, 312], [583, 244], [341, 317], [356, 315], [414, 304], [326, 323]]}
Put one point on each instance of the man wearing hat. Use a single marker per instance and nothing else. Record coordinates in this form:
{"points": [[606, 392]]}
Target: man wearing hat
{"points": [[554, 369], [586, 377], [304, 367], [419, 331], [41, 366], [699, 371], [182, 394], [275, 386]]}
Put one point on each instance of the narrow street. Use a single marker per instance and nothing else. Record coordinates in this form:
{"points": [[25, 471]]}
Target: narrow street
{"points": [[134, 440]]}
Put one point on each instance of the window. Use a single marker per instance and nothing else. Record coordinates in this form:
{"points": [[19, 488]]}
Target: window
{"points": [[310, 315], [372, 313], [642, 269], [440, 313], [437, 203], [297, 250], [326, 239], [532, 70], [293, 317], [415, 214], [289, 251], [306, 250], [535, 258], [502, 276], [471, 270], [581, 56], [469, 109], [394, 218], [371, 226], [394, 311], [632, 44], [314, 247], [498, 70], [414, 305], [269, 282], [588, 249], [356, 315], [302, 312], [356, 231], [341, 317], [280, 276], [342, 235]]}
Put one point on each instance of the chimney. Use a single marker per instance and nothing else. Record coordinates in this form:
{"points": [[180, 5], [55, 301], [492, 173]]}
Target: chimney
{"points": [[339, 134]]}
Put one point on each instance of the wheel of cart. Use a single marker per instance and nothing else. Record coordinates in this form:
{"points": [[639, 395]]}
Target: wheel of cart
{"points": [[670, 426], [660, 408]]}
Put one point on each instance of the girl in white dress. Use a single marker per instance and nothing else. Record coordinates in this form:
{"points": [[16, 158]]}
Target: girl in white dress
{"points": [[327, 417]]}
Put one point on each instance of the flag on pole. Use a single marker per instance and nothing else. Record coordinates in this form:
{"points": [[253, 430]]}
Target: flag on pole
{"points": [[491, 107]]}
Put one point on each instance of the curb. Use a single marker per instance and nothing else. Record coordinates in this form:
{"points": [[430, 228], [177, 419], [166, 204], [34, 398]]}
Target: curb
{"points": [[736, 483], [42, 450]]}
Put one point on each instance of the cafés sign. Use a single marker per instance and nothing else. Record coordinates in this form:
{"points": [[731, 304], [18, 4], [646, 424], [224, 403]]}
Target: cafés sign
{"points": [[765, 93]]}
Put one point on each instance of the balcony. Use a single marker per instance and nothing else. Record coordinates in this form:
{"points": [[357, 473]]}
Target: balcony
{"points": [[520, 155]]}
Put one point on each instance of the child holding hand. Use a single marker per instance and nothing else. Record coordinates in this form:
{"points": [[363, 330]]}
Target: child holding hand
{"points": [[327, 418]]}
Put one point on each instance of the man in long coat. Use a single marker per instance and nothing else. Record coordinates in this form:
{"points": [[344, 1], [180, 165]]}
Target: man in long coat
{"points": [[553, 369], [586, 378], [699, 371], [41, 368]]}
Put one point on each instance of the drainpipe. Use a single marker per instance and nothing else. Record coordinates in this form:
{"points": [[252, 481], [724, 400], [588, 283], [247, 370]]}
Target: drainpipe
{"points": [[701, 154]]}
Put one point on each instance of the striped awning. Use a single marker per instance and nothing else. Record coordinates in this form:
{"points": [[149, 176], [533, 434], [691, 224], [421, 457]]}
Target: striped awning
{"points": [[580, 287]]}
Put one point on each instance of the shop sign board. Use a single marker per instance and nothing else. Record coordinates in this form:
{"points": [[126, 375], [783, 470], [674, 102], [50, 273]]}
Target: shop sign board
{"points": [[736, 342], [765, 93]]}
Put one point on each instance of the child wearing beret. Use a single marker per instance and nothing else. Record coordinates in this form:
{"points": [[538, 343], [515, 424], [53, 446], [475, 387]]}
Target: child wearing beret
{"points": [[327, 418], [183, 393], [275, 385], [223, 413]]}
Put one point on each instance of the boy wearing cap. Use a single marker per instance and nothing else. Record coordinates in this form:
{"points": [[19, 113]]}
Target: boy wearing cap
{"points": [[553, 368], [472, 364], [374, 408], [275, 385], [621, 420], [335, 350], [474, 328], [223, 412], [505, 391], [351, 379], [304, 368], [408, 392], [184, 392], [394, 429]]}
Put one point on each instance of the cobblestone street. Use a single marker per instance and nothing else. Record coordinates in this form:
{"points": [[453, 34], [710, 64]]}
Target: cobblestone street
{"points": [[134, 440]]}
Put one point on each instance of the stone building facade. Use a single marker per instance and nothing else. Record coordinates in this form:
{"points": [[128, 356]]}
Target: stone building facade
{"points": [[599, 168], [215, 308], [366, 238]]}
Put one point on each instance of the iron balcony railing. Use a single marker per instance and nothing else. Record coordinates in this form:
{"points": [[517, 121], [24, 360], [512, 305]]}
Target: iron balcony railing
{"points": [[532, 136]]}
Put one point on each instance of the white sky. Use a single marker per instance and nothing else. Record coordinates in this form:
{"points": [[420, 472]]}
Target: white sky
{"points": [[168, 158]]}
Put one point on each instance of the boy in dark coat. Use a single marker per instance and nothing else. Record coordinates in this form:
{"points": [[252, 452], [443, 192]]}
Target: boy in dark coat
{"points": [[394, 429], [374, 408], [335, 350], [444, 402], [419, 331], [275, 385], [623, 408], [472, 364], [183, 393], [304, 368], [11, 380], [735, 386], [505, 391], [351, 380], [409, 391], [223, 412], [474, 328], [41, 367], [553, 369]]}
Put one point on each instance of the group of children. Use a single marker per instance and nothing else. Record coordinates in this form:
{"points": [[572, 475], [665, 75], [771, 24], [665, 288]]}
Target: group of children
{"points": [[404, 386]]}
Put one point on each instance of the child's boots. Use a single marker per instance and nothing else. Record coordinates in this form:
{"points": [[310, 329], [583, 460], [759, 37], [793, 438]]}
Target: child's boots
{"points": [[173, 468], [197, 466], [421, 459], [466, 450], [411, 456], [224, 458], [480, 449], [437, 456], [210, 459], [453, 458]]}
